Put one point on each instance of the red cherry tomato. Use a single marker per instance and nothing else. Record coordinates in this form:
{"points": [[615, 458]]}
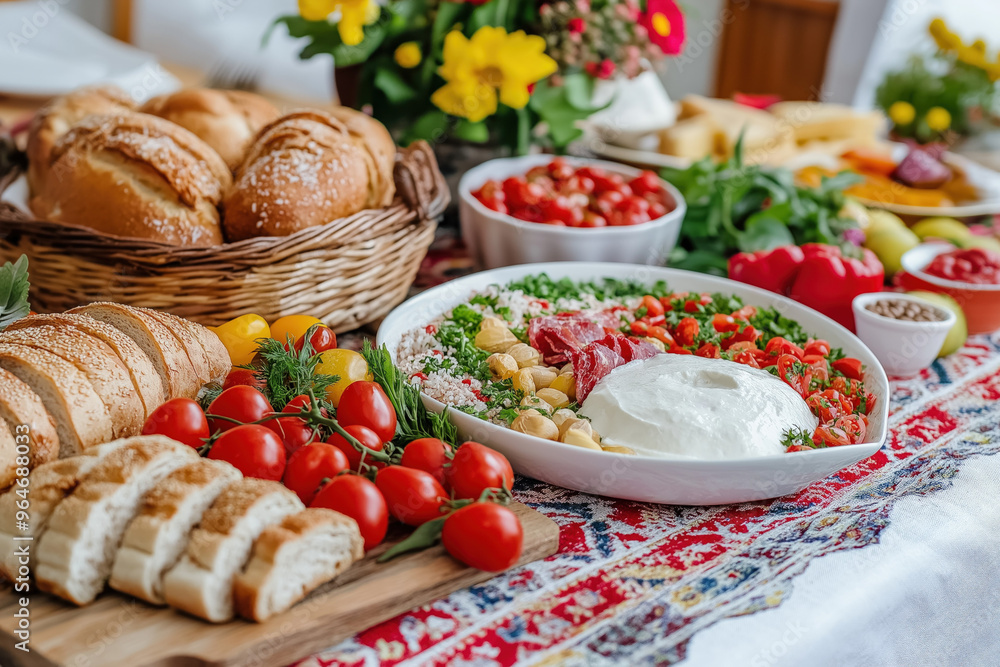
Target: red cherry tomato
{"points": [[241, 376], [181, 419], [476, 468], [429, 455], [309, 466], [413, 496], [322, 339], [817, 347], [724, 323], [831, 436], [253, 449], [708, 350], [366, 437], [652, 305], [646, 183], [294, 432], [242, 403], [366, 404], [850, 367], [295, 405], [687, 330], [485, 536], [356, 497]]}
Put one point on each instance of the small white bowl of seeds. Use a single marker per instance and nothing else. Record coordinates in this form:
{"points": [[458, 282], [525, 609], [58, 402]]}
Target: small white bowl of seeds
{"points": [[905, 332]]}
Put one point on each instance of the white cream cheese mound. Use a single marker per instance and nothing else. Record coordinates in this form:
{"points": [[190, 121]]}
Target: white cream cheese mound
{"points": [[683, 405]]}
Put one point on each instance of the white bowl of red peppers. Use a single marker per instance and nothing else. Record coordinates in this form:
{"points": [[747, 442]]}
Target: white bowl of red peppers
{"points": [[537, 208]]}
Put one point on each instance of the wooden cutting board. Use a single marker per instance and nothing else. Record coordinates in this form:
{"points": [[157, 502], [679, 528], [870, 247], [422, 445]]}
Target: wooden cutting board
{"points": [[119, 630]]}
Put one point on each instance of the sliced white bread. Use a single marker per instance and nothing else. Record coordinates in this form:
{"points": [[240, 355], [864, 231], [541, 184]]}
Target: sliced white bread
{"points": [[202, 582], [99, 363], [169, 357], [219, 362], [293, 558], [8, 457], [76, 553], [20, 406], [80, 417], [158, 535], [151, 387], [193, 349], [48, 485]]}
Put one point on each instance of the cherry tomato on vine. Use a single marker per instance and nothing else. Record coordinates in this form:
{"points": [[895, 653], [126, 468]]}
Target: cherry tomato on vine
{"points": [[295, 405], [243, 376], [322, 339], [309, 466], [366, 404], [242, 403], [293, 431], [413, 496], [181, 419], [253, 449], [475, 468], [358, 498], [366, 437], [429, 455], [485, 536]]}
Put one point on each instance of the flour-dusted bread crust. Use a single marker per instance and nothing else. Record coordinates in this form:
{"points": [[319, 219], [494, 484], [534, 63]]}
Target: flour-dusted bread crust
{"points": [[194, 350], [8, 457], [376, 143], [147, 381], [76, 553], [202, 582], [226, 120], [158, 535], [107, 374], [164, 349], [81, 418], [21, 406], [293, 558], [48, 485], [219, 361]]}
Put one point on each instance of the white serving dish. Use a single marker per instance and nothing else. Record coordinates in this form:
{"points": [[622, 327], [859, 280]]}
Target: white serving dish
{"points": [[903, 347], [675, 480], [497, 239]]}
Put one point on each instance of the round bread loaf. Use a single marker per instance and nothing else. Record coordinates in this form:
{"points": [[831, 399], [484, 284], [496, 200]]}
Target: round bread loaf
{"points": [[226, 120], [309, 168], [136, 176], [59, 116]]}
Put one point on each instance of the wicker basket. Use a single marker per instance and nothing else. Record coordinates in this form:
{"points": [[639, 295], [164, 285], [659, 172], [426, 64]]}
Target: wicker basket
{"points": [[348, 273]]}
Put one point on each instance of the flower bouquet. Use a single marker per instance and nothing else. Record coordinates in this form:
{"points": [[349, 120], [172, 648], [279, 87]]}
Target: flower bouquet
{"points": [[508, 73], [942, 96]]}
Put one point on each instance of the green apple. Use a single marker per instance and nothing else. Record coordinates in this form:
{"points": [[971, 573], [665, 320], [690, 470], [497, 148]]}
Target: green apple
{"points": [[880, 220], [949, 229], [959, 331], [889, 244]]}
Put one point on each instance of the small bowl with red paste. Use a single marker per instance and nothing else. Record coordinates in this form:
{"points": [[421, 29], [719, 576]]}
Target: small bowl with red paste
{"points": [[971, 276], [539, 208]]}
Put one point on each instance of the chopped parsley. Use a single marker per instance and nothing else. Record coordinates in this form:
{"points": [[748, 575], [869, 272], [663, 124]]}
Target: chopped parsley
{"points": [[541, 286]]}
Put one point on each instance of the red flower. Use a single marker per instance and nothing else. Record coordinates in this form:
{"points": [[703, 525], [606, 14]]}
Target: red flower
{"points": [[664, 22], [602, 70], [576, 25]]}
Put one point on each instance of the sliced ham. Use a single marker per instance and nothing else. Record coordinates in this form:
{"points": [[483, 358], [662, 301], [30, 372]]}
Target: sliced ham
{"points": [[600, 357]]}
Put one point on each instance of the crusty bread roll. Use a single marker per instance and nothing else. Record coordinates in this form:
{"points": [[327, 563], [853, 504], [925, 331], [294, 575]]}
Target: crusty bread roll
{"points": [[307, 169], [152, 391], [158, 535], [293, 558], [136, 176], [99, 363], [202, 582], [80, 416], [48, 484], [76, 553], [20, 405], [226, 120], [59, 116]]}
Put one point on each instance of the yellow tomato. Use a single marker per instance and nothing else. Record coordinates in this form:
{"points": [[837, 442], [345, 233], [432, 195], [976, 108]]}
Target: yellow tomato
{"points": [[292, 325], [348, 365], [240, 337]]}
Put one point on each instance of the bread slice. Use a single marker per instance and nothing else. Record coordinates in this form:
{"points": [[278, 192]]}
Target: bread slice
{"points": [[157, 536], [21, 407], [202, 582], [151, 387], [81, 418], [76, 553], [8, 457], [219, 362], [99, 363], [48, 484], [161, 346], [193, 349], [293, 558]]}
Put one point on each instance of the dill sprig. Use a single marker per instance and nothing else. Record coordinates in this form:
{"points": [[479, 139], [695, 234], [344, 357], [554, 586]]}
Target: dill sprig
{"points": [[289, 373]]}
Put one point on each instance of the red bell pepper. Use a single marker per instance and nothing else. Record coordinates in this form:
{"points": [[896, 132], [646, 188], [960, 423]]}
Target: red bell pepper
{"points": [[772, 270], [816, 275]]}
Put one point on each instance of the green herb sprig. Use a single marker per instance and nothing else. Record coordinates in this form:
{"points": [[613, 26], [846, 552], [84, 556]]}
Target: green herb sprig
{"points": [[13, 291]]}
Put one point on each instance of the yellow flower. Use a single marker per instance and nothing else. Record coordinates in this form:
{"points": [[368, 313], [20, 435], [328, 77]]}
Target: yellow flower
{"points": [[354, 15], [408, 55], [317, 10], [938, 119], [902, 113], [972, 56], [993, 71], [937, 27], [491, 61]]}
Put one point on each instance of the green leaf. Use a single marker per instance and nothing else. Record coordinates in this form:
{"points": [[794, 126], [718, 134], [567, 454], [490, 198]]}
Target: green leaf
{"points": [[392, 84], [580, 92], [426, 535], [431, 127], [553, 106], [764, 232], [13, 291], [477, 133]]}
